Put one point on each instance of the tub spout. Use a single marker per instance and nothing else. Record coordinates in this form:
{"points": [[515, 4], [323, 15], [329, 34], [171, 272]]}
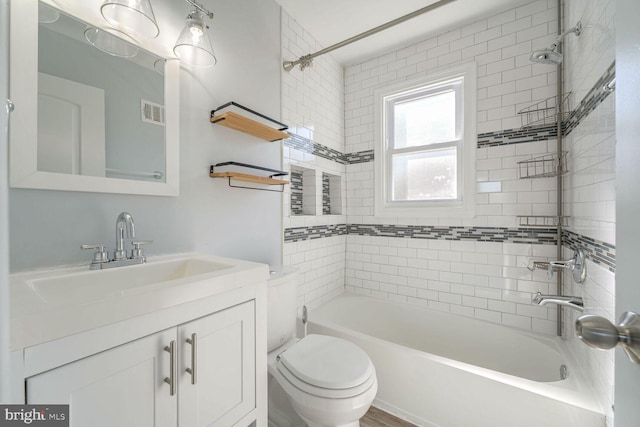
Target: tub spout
{"points": [[572, 302]]}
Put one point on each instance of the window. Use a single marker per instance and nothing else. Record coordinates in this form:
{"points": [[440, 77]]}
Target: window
{"points": [[425, 146]]}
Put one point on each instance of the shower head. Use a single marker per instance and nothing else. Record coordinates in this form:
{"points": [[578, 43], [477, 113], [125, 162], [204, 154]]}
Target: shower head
{"points": [[546, 56], [550, 55]]}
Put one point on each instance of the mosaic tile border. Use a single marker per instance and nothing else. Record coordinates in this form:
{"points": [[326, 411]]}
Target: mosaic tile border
{"points": [[299, 234], [359, 157], [305, 145], [601, 253], [541, 236], [516, 136], [592, 99], [536, 236]]}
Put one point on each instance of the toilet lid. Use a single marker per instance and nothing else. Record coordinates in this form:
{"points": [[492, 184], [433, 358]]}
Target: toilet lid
{"points": [[328, 362]]}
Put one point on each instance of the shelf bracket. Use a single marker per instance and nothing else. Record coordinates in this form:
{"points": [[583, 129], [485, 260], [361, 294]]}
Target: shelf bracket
{"points": [[254, 188]]}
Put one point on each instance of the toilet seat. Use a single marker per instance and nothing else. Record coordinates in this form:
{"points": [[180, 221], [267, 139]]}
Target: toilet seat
{"points": [[328, 367]]}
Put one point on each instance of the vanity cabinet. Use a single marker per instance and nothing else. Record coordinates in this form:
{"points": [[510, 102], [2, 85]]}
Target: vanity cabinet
{"points": [[223, 390], [122, 386], [214, 372]]}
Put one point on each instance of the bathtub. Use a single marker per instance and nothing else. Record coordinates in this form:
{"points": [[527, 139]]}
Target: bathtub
{"points": [[442, 370]]}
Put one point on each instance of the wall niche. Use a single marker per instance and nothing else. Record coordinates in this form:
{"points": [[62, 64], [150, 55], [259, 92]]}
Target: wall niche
{"points": [[303, 191], [331, 194]]}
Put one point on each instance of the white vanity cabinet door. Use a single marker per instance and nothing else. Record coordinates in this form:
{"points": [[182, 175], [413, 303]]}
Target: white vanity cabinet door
{"points": [[123, 386], [225, 388]]}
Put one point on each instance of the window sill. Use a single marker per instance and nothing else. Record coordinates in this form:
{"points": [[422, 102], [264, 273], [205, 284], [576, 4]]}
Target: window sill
{"points": [[427, 212]]}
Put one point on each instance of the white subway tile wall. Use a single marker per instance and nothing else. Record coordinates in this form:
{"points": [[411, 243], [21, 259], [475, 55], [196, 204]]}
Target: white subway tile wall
{"points": [[589, 193], [485, 280], [488, 281], [313, 107], [321, 267]]}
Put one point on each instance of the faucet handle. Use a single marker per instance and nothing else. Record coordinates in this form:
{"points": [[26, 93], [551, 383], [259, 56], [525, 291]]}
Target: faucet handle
{"points": [[137, 251], [100, 255]]}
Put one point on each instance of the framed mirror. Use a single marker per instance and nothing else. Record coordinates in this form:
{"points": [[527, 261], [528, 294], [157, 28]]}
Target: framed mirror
{"points": [[87, 120]]}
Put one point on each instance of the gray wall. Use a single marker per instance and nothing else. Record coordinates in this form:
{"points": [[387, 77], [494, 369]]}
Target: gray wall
{"points": [[47, 227]]}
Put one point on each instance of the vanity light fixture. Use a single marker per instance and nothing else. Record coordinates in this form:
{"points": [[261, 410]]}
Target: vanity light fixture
{"points": [[47, 14], [111, 44], [193, 46], [134, 17]]}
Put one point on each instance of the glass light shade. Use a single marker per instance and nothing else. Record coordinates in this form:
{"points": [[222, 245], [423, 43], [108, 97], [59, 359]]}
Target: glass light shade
{"points": [[194, 46], [47, 14], [158, 65], [134, 17], [111, 44]]}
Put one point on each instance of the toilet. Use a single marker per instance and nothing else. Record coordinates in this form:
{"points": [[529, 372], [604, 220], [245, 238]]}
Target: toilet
{"points": [[327, 381]]}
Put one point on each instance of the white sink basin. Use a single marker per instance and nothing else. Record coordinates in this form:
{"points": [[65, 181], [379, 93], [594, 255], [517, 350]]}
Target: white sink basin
{"points": [[55, 303], [88, 285]]}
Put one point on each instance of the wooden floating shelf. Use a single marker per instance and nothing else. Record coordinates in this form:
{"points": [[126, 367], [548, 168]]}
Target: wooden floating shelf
{"points": [[224, 116], [245, 177], [248, 178]]}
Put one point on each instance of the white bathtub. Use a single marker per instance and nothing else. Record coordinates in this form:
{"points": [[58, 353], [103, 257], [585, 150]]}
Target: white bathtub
{"points": [[439, 369]]}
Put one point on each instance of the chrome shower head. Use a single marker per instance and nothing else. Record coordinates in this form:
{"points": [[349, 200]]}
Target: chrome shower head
{"points": [[550, 55], [546, 56]]}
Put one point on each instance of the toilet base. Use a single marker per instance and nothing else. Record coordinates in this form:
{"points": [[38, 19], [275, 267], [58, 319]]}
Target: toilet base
{"points": [[352, 424], [281, 413]]}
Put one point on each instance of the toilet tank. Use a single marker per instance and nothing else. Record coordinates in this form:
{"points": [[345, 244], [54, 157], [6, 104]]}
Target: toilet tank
{"points": [[282, 293]]}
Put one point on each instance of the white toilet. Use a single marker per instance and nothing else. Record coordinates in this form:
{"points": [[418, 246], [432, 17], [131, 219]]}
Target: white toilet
{"points": [[328, 381]]}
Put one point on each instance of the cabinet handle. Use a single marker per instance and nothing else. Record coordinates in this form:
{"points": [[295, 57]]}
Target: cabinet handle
{"points": [[171, 379], [194, 357]]}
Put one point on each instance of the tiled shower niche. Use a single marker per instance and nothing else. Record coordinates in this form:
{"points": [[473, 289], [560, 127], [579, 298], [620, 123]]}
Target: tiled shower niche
{"points": [[303, 191], [331, 194]]}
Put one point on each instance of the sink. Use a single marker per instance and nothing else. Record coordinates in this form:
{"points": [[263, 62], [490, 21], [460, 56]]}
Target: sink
{"points": [[60, 302], [88, 285]]}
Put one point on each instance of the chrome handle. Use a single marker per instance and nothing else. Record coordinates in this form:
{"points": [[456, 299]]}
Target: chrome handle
{"points": [[99, 246], [194, 357], [171, 379], [577, 264], [137, 252], [100, 255], [137, 243], [598, 332]]}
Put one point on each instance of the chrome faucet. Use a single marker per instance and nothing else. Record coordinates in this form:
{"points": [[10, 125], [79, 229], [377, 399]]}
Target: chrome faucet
{"points": [[125, 228], [124, 222], [572, 302]]}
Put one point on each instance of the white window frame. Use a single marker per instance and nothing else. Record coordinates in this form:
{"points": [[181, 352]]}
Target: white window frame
{"points": [[464, 206]]}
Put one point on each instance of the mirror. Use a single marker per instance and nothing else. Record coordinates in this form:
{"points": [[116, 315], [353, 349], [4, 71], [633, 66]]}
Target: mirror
{"points": [[104, 123]]}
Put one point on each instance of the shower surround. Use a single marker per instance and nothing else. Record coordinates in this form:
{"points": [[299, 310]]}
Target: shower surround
{"points": [[473, 267]]}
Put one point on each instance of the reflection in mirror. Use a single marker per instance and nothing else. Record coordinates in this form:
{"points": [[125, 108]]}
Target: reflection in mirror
{"points": [[98, 114]]}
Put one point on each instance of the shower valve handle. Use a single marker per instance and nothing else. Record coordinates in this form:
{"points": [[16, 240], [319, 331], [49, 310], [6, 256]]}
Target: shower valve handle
{"points": [[600, 333]]}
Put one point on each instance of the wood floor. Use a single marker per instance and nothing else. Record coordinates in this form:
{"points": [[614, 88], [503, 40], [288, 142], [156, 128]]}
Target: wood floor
{"points": [[378, 418]]}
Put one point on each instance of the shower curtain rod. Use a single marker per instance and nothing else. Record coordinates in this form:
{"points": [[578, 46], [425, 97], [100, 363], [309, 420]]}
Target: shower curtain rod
{"points": [[306, 60]]}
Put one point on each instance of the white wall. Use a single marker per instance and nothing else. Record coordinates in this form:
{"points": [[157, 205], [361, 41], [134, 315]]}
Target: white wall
{"points": [[589, 193], [313, 107], [47, 227]]}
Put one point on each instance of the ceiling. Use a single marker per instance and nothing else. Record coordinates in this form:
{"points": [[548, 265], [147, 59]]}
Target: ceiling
{"points": [[332, 21]]}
